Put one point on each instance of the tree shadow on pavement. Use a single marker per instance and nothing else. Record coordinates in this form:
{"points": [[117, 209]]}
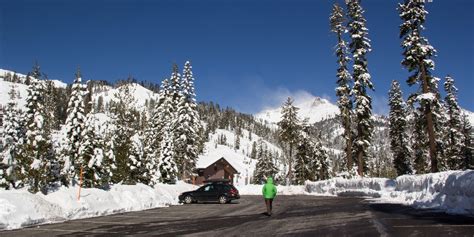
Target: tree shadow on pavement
{"points": [[430, 215], [174, 227]]}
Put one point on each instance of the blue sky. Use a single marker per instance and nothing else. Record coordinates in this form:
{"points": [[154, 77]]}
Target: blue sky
{"points": [[245, 54]]}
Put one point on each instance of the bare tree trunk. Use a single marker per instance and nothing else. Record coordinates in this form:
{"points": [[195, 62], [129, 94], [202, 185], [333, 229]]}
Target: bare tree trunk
{"points": [[360, 156], [430, 123], [183, 175], [290, 163], [348, 144]]}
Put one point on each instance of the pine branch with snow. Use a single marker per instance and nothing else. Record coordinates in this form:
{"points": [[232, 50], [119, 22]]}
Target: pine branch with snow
{"points": [[37, 164], [360, 46], [418, 54], [288, 133], [188, 126], [453, 136], [75, 126], [343, 91], [399, 142]]}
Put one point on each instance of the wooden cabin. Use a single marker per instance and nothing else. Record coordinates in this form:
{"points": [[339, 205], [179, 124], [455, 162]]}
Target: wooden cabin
{"points": [[219, 170]]}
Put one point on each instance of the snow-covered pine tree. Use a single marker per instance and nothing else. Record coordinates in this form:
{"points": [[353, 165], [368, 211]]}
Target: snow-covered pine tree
{"points": [[360, 46], [419, 141], [151, 152], [253, 152], [289, 131], [320, 162], [50, 103], [303, 160], [167, 165], [453, 137], [440, 119], [399, 142], [75, 126], [265, 166], [155, 131], [125, 124], [166, 112], [343, 90], [87, 150], [467, 148], [12, 140], [37, 165], [236, 141], [138, 165], [188, 126], [418, 54]]}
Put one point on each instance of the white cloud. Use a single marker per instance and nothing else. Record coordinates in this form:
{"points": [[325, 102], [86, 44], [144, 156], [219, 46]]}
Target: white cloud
{"points": [[380, 105], [276, 97]]}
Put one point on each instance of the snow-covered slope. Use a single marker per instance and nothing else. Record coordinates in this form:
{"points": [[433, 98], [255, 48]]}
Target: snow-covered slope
{"points": [[238, 158], [8, 73], [315, 109], [140, 95], [21, 90], [470, 116]]}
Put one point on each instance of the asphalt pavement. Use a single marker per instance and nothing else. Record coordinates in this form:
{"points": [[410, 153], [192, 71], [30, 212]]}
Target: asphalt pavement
{"points": [[292, 216]]}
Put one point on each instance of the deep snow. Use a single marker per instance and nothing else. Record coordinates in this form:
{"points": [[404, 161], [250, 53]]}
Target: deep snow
{"points": [[450, 191], [19, 208]]}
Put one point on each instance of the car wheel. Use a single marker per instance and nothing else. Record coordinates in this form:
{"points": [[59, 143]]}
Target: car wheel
{"points": [[188, 200], [223, 200]]}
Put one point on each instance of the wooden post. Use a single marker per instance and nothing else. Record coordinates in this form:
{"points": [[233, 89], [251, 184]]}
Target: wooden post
{"points": [[80, 184]]}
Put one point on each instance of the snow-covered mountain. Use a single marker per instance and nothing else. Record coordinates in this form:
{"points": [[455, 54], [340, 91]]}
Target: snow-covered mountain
{"points": [[315, 109], [139, 93]]}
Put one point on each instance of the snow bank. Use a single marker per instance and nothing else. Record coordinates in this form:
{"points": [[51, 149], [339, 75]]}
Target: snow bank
{"points": [[451, 191], [350, 187], [254, 189], [19, 208]]}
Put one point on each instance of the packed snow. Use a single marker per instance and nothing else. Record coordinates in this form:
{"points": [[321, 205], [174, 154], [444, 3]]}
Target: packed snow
{"points": [[450, 191], [20, 208]]}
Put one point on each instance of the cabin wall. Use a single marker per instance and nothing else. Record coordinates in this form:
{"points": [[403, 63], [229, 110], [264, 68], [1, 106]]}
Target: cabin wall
{"points": [[218, 170]]}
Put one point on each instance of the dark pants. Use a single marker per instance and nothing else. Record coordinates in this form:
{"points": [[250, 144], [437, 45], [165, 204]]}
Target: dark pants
{"points": [[268, 203]]}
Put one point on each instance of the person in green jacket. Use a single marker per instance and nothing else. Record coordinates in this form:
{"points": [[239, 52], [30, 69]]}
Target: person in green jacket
{"points": [[269, 192]]}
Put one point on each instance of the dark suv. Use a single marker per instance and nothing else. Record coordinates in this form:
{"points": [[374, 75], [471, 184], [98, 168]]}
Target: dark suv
{"points": [[211, 192]]}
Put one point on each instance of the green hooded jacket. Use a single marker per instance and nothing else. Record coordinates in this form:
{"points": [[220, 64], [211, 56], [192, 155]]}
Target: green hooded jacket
{"points": [[269, 190]]}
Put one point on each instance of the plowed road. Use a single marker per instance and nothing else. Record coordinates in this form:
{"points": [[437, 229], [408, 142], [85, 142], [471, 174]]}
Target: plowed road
{"points": [[293, 216]]}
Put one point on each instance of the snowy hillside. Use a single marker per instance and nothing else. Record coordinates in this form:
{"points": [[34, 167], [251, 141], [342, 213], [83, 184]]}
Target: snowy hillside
{"points": [[238, 158], [7, 73], [139, 93], [470, 115], [6, 86], [315, 109]]}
